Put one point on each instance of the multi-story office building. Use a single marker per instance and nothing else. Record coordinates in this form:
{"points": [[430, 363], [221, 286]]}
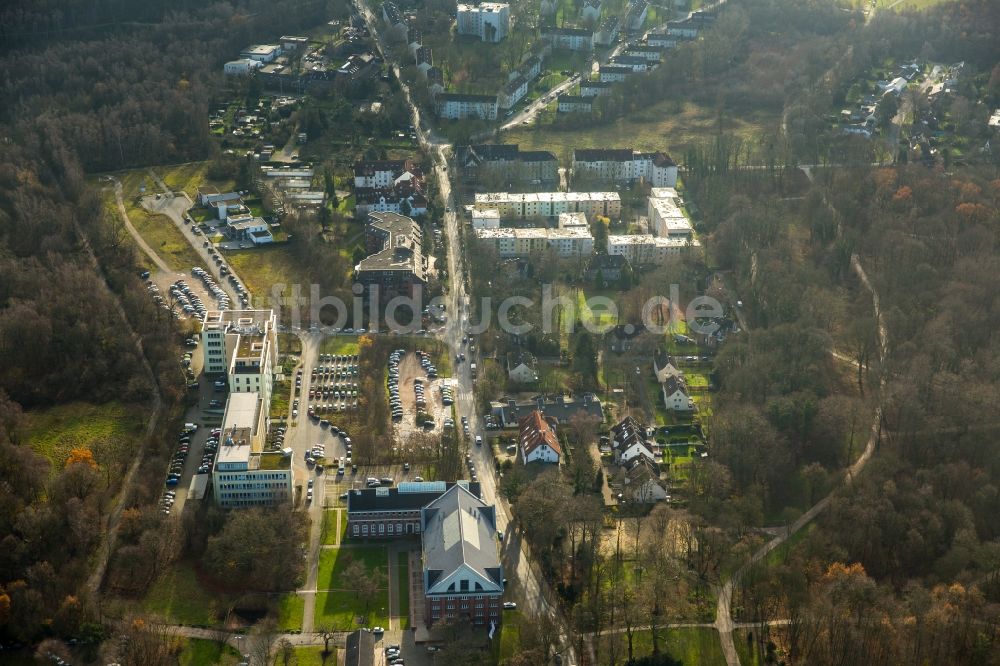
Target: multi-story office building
{"points": [[244, 345], [244, 475], [396, 263]]}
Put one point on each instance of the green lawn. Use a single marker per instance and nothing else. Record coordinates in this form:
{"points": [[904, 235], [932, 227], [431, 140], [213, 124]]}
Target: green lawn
{"points": [[179, 597], [290, 611], [313, 656], [260, 268], [198, 651], [510, 636], [329, 536], [54, 431], [403, 590], [340, 607], [669, 125], [339, 344], [161, 234], [280, 396], [697, 645], [189, 177]]}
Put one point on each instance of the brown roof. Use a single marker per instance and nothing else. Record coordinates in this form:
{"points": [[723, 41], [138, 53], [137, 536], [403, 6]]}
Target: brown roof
{"points": [[535, 431]]}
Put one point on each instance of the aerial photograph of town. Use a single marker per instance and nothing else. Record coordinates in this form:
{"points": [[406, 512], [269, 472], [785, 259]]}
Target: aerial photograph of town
{"points": [[500, 332]]}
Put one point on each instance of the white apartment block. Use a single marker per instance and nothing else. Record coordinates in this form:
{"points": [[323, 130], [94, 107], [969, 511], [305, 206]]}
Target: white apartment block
{"points": [[489, 21], [244, 475], [643, 249], [462, 105], [551, 204], [244, 345], [625, 166], [485, 219], [567, 243], [666, 219], [570, 39]]}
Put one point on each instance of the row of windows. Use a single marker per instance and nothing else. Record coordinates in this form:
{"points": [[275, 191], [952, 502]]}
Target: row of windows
{"points": [[268, 494], [394, 528], [251, 486], [259, 475]]}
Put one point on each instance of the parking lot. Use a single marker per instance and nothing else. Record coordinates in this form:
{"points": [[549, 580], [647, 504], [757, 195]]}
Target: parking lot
{"points": [[418, 398], [333, 385]]}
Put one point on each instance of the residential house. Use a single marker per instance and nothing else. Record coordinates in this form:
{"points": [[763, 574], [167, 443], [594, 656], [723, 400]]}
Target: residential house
{"points": [[414, 40], [635, 18], [595, 88], [358, 66], [509, 412], [550, 204], [396, 264], [621, 336], [360, 648], [394, 19], [625, 166], [489, 21], [570, 39], [646, 249], [613, 73], [513, 92], [462, 575], [667, 370], [464, 105], [435, 80], [575, 104], [531, 67], [521, 367], [591, 11], [523, 242], [424, 59], [666, 219], [607, 268], [653, 55], [675, 395], [394, 511], [241, 67], [506, 161], [537, 441], [636, 63], [628, 441], [249, 228], [607, 32], [642, 481], [485, 219]]}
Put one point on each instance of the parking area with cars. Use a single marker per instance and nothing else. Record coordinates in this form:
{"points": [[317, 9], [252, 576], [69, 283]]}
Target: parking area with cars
{"points": [[333, 385], [419, 400]]}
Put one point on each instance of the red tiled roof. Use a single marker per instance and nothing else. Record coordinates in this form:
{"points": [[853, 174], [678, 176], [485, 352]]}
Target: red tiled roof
{"points": [[536, 431]]}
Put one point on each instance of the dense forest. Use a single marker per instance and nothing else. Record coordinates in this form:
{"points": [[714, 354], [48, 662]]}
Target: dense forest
{"points": [[90, 87]]}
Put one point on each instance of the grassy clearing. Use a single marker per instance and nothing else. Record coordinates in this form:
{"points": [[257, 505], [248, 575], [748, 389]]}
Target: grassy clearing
{"points": [[696, 645], [189, 177], [280, 397], [179, 597], [668, 125], [54, 431], [510, 636], [165, 238], [329, 536], [291, 608], [339, 344], [403, 590], [198, 651], [340, 607], [263, 267], [313, 656]]}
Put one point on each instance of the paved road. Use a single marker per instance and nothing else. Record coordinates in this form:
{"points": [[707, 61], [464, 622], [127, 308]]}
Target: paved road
{"points": [[530, 112]]}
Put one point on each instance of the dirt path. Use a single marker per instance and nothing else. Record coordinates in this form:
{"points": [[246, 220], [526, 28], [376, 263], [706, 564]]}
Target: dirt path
{"points": [[723, 613], [136, 236]]}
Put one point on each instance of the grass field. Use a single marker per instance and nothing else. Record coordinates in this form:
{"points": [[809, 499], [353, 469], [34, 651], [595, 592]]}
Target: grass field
{"points": [[290, 611], [510, 636], [403, 590], [313, 656], [189, 177], [668, 125], [54, 431], [263, 267], [198, 651], [339, 344], [694, 645], [340, 607], [165, 238], [329, 537], [179, 597]]}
